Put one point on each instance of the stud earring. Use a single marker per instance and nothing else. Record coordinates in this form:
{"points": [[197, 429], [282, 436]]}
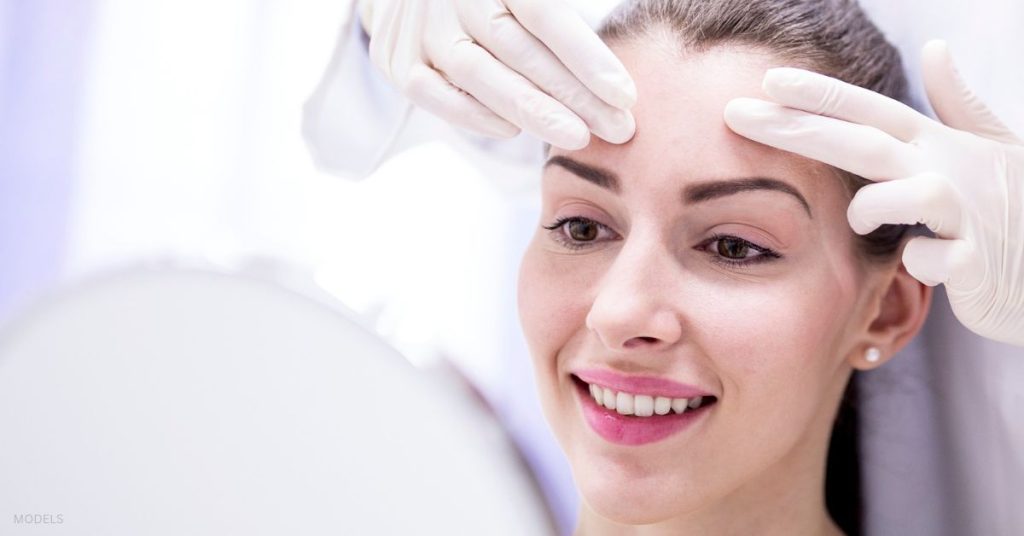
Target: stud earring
{"points": [[872, 355]]}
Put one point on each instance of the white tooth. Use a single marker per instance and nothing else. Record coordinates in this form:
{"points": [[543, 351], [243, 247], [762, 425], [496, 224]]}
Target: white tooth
{"points": [[679, 404], [624, 403], [662, 405], [595, 392], [609, 398], [695, 402], [643, 405]]}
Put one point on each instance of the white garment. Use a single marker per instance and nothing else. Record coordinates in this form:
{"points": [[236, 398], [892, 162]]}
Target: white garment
{"points": [[942, 435]]}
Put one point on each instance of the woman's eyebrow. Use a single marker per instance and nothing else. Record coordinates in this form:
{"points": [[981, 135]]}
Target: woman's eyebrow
{"points": [[692, 193], [601, 177], [703, 191]]}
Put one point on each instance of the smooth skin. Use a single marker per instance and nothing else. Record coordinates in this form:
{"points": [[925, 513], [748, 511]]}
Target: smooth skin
{"points": [[775, 341]]}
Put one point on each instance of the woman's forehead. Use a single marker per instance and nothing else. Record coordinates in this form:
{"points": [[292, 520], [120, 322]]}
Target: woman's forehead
{"points": [[681, 135]]}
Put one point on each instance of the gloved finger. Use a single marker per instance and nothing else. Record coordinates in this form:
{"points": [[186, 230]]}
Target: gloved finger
{"points": [[394, 52], [954, 103], [927, 198], [567, 35], [860, 149], [511, 96], [430, 91], [820, 94], [935, 260], [491, 25]]}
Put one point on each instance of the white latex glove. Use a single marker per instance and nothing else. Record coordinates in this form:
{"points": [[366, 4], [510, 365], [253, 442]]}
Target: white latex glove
{"points": [[498, 66], [963, 178]]}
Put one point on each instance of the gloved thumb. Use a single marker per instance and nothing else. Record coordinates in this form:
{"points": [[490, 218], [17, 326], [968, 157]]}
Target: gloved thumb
{"points": [[954, 103]]}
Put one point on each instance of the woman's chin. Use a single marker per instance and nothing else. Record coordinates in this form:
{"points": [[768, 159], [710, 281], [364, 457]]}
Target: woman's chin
{"points": [[630, 508], [631, 501]]}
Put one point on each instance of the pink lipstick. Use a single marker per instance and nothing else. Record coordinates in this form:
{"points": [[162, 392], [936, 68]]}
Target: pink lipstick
{"points": [[633, 430]]}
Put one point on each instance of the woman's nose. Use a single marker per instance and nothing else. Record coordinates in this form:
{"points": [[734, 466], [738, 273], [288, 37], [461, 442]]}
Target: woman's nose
{"points": [[634, 302]]}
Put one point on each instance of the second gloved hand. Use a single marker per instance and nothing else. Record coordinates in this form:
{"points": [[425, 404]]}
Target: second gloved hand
{"points": [[498, 66], [963, 178]]}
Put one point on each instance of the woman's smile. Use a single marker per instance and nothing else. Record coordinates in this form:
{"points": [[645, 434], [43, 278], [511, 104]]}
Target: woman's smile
{"points": [[651, 410]]}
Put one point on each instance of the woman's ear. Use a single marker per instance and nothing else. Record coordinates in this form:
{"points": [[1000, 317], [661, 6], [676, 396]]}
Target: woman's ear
{"points": [[899, 311]]}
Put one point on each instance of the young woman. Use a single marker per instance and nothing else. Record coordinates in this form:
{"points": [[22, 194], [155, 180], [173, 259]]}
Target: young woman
{"points": [[695, 303]]}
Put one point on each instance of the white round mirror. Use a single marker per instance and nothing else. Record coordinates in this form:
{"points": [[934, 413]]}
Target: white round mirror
{"points": [[178, 401]]}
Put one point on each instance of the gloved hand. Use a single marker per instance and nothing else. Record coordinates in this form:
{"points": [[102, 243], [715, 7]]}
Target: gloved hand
{"points": [[963, 178], [495, 66]]}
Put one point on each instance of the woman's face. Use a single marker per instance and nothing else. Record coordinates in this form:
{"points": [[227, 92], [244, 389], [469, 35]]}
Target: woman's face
{"points": [[674, 270]]}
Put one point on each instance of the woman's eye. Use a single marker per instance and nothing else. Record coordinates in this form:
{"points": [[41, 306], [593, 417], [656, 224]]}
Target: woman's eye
{"points": [[576, 232], [735, 251], [733, 248]]}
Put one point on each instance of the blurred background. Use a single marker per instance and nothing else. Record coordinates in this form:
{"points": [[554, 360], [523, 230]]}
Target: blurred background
{"points": [[137, 132]]}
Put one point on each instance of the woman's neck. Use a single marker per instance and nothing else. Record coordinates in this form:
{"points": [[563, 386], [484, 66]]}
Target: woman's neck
{"points": [[783, 517]]}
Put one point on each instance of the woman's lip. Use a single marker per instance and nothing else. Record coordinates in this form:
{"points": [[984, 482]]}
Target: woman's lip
{"points": [[630, 430], [640, 385]]}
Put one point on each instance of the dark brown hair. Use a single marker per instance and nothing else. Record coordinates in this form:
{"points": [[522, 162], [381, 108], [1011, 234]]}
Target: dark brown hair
{"points": [[833, 37]]}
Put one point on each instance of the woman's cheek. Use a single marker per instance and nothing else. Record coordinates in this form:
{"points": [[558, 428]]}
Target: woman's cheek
{"points": [[547, 296], [553, 289], [759, 351], [762, 335], [550, 299]]}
